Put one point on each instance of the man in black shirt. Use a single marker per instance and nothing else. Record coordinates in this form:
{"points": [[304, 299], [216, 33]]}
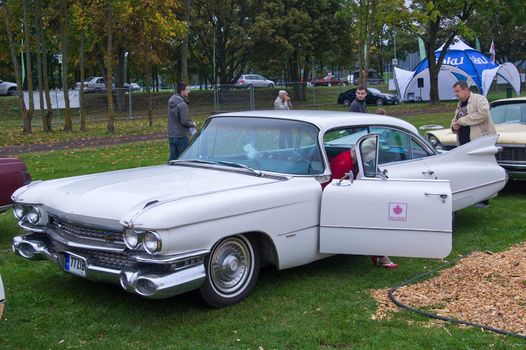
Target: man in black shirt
{"points": [[358, 104]]}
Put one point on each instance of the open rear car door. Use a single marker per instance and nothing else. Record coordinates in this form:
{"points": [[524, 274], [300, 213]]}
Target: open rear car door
{"points": [[379, 216]]}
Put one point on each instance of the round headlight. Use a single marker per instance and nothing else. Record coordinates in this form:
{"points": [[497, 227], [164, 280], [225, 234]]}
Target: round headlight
{"points": [[19, 211], [152, 242], [131, 238], [33, 215]]}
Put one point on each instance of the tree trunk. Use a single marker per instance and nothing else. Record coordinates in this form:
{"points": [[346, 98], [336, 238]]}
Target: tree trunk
{"points": [[184, 48], [82, 68], [148, 76], [295, 77], [119, 81], [16, 67], [68, 123], [43, 110], [29, 75], [109, 55], [49, 108]]}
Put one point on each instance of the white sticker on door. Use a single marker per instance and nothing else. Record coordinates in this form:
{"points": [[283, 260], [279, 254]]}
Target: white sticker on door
{"points": [[397, 211]]}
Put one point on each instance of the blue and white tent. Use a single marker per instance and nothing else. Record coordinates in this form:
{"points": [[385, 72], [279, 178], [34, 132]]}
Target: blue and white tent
{"points": [[461, 62]]}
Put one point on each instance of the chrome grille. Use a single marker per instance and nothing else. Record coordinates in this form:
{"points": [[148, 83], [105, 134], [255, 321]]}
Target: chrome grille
{"points": [[79, 231], [512, 154], [113, 260]]}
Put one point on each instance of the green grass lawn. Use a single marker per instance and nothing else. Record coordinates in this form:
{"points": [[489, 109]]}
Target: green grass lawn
{"points": [[323, 305]]}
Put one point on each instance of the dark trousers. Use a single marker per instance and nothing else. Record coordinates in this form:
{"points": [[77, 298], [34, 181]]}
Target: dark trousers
{"points": [[177, 146]]}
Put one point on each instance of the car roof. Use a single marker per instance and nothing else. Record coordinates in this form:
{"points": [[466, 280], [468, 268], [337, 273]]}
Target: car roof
{"points": [[325, 120], [509, 100]]}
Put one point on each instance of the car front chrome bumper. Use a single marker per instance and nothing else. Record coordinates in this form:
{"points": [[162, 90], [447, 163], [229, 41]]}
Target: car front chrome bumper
{"points": [[153, 277]]}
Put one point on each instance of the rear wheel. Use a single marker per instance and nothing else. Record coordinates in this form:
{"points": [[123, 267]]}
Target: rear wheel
{"points": [[380, 102], [346, 102], [232, 269]]}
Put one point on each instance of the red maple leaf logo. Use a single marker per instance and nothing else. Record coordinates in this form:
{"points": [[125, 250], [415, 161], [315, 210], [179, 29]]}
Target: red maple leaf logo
{"points": [[398, 210]]}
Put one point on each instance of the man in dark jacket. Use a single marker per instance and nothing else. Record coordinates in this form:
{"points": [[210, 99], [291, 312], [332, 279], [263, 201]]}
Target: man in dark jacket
{"points": [[180, 126], [358, 104]]}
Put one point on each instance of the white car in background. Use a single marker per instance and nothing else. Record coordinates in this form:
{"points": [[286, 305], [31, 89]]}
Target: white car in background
{"points": [[7, 88], [253, 189], [254, 80], [98, 84]]}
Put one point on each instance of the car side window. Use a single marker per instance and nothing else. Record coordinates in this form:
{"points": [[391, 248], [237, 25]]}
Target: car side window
{"points": [[395, 145], [417, 151]]}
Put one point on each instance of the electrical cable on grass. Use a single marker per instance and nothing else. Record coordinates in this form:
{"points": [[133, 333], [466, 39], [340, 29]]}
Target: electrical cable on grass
{"points": [[438, 317]]}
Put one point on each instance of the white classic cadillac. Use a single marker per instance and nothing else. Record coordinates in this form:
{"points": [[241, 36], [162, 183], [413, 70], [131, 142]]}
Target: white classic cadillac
{"points": [[255, 188]]}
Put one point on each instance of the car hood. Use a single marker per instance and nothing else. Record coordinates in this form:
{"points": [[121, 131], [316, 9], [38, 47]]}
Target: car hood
{"points": [[109, 196], [511, 133], [508, 134]]}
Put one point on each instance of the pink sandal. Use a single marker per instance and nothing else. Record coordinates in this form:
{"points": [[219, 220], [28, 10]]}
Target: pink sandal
{"points": [[377, 260]]}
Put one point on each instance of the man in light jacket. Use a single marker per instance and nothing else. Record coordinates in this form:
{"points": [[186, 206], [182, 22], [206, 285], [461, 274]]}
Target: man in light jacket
{"points": [[282, 101], [180, 126], [472, 117]]}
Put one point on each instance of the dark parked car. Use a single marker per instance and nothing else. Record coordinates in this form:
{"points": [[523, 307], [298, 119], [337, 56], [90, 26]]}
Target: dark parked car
{"points": [[374, 97], [13, 174]]}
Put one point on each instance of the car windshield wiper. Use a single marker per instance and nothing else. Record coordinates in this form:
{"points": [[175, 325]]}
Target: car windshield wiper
{"points": [[230, 164], [172, 162], [237, 165]]}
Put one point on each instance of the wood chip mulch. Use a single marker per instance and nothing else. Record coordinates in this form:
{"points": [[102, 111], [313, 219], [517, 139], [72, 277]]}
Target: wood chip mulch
{"points": [[484, 288]]}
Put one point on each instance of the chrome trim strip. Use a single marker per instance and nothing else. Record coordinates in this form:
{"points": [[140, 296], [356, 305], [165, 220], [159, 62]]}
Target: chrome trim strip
{"points": [[478, 186], [168, 259], [388, 228], [521, 165], [5, 207], [33, 228]]}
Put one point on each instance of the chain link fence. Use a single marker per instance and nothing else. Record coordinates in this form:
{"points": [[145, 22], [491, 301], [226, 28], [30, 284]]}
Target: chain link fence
{"points": [[128, 104]]}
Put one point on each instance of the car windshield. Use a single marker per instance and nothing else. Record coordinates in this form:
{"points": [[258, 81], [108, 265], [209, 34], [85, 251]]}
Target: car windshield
{"points": [[376, 91], [510, 113], [265, 144]]}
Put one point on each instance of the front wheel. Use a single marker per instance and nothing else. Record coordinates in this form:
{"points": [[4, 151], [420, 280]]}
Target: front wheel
{"points": [[380, 102], [232, 269], [271, 85], [346, 102]]}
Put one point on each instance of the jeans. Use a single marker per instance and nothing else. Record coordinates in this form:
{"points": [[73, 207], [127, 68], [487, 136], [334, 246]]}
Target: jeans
{"points": [[177, 146]]}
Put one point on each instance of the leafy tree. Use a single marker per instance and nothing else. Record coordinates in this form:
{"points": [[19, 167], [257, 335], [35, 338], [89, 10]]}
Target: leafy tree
{"points": [[18, 74], [437, 22], [506, 27], [232, 23]]}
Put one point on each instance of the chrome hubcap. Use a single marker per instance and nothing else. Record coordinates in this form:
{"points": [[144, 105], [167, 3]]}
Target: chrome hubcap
{"points": [[230, 265]]}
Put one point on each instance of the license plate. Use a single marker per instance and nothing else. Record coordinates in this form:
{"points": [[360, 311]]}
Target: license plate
{"points": [[75, 264]]}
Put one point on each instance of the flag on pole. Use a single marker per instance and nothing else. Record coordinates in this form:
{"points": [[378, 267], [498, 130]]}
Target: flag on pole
{"points": [[421, 48], [492, 52]]}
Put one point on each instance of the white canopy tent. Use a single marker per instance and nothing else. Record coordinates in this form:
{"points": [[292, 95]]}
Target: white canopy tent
{"points": [[461, 62]]}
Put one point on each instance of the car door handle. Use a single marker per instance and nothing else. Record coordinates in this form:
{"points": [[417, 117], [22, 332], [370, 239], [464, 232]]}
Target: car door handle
{"points": [[442, 196], [429, 172]]}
